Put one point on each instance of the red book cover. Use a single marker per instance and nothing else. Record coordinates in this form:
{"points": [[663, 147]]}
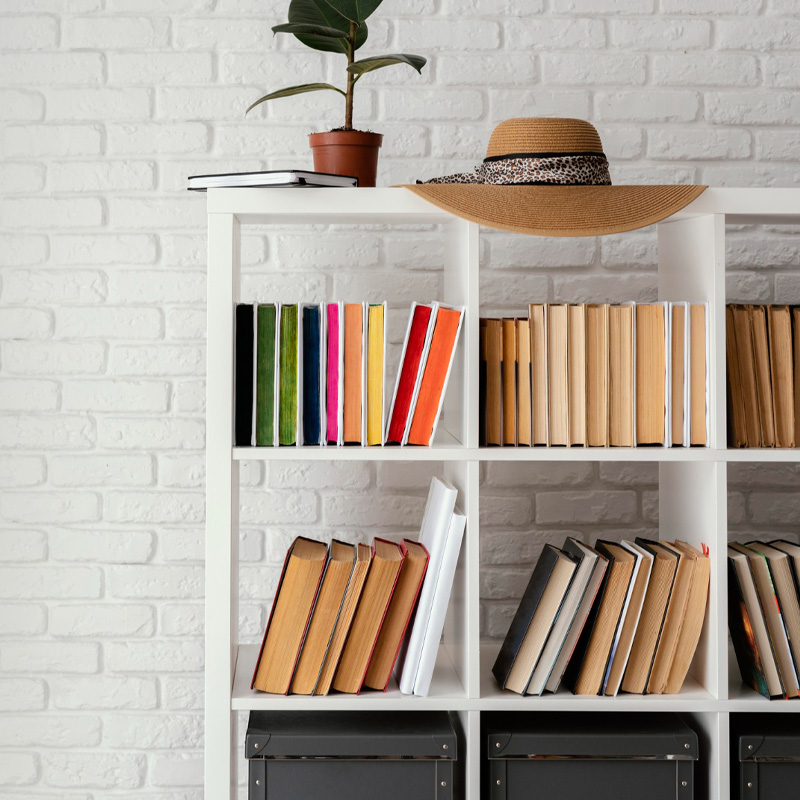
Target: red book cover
{"points": [[409, 370]]}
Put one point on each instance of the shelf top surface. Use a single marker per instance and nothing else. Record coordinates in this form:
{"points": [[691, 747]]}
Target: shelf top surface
{"points": [[395, 205]]}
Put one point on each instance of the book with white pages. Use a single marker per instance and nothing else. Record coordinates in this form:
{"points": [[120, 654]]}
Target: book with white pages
{"points": [[707, 370], [587, 559], [421, 371], [283, 178], [684, 388], [433, 536], [441, 599], [578, 621], [631, 613]]}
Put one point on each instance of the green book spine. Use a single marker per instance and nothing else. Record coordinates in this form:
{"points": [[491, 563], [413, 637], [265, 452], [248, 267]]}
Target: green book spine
{"points": [[287, 394], [265, 375]]}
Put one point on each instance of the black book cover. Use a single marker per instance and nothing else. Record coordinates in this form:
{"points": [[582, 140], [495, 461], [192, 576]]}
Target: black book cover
{"points": [[243, 376], [744, 643], [573, 670], [522, 619], [311, 354]]}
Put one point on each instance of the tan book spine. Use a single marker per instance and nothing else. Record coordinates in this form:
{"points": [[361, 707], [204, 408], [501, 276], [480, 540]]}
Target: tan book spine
{"points": [[737, 430], [509, 382], [620, 376], [650, 374], [697, 375], [597, 375], [524, 416], [758, 317], [678, 377], [557, 375], [494, 381], [576, 374], [538, 322], [796, 348], [779, 321], [743, 330]]}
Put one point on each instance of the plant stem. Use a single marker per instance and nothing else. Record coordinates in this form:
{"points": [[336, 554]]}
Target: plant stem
{"points": [[348, 103]]}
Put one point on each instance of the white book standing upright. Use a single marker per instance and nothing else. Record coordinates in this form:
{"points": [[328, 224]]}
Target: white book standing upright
{"points": [[692, 481]]}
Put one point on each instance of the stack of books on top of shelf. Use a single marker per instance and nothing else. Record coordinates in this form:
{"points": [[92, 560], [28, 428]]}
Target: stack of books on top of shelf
{"points": [[763, 355], [315, 374], [764, 615], [614, 617], [343, 617], [596, 375]]}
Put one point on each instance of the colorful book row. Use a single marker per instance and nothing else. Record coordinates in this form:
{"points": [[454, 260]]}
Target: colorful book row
{"points": [[596, 375], [343, 615], [315, 374], [614, 617]]}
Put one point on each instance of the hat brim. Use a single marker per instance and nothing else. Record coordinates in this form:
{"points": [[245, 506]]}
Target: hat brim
{"points": [[559, 210]]}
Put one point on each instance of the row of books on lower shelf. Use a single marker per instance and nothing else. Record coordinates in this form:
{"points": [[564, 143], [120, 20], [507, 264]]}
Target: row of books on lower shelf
{"points": [[343, 613], [315, 374], [763, 355], [611, 617], [764, 615], [596, 375]]}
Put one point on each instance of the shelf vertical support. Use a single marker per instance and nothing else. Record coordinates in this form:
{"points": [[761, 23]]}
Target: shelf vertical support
{"points": [[222, 509]]}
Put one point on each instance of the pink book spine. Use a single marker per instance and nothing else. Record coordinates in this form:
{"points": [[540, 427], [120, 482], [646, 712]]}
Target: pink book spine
{"points": [[333, 373]]}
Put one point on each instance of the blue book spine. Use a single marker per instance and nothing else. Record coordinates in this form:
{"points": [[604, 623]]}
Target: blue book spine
{"points": [[311, 355]]}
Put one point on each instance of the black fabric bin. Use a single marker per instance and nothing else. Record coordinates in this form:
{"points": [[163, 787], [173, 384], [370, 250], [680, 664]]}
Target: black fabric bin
{"points": [[573, 756], [350, 755], [769, 760]]}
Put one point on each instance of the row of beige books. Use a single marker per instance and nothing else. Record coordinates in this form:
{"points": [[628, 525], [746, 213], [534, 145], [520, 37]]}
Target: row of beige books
{"points": [[346, 616], [618, 616], [596, 375], [763, 354]]}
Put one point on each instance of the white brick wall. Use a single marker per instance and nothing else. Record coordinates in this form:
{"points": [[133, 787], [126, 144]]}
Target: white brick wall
{"points": [[105, 107]]}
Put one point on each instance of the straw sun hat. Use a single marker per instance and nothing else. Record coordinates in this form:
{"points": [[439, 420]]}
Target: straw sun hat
{"points": [[547, 176]]}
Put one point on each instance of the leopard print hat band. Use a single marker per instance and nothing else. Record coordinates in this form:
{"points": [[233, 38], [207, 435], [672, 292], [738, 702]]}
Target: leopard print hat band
{"points": [[536, 169]]}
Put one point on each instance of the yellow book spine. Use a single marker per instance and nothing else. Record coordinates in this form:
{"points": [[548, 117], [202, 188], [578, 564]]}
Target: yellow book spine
{"points": [[375, 357]]}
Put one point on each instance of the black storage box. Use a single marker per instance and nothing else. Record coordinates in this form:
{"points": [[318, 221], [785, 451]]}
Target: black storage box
{"points": [[349, 755], [574, 756], [769, 760]]}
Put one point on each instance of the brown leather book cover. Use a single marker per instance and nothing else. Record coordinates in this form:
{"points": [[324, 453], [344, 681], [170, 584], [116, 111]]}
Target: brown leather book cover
{"points": [[353, 371], [650, 373], [737, 430], [779, 320], [758, 317], [743, 330]]}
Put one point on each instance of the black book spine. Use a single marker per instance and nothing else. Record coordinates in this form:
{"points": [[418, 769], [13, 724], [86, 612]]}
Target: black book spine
{"points": [[522, 619], [243, 376], [311, 355]]}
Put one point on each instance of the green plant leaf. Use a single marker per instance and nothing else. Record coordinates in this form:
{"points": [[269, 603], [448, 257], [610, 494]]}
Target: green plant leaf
{"points": [[355, 10], [292, 90], [310, 30], [378, 62], [319, 13]]}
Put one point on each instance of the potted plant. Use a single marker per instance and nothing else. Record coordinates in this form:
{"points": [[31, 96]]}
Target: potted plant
{"points": [[339, 26]]}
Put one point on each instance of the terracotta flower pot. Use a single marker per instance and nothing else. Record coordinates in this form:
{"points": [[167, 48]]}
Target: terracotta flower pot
{"points": [[347, 153]]}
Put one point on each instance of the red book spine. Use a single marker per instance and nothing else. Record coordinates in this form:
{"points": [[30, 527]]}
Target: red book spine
{"points": [[408, 373]]}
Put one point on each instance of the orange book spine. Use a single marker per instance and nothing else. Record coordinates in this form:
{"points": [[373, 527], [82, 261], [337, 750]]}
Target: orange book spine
{"points": [[353, 340]]}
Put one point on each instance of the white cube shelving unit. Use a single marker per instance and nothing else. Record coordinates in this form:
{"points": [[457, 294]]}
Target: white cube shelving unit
{"points": [[692, 482]]}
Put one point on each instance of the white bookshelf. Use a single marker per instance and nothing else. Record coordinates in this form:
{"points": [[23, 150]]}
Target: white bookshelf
{"points": [[692, 482]]}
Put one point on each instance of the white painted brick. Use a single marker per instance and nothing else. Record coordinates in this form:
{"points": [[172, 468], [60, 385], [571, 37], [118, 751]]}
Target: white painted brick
{"points": [[787, 288], [774, 508], [555, 33], [278, 507], [28, 395], [204, 103], [602, 6], [23, 545], [304, 252], [276, 69], [182, 770], [374, 286], [224, 34], [711, 7], [752, 108], [109, 322], [782, 71], [187, 472], [177, 212], [22, 249], [447, 34], [705, 144], [53, 140], [422, 104], [103, 104], [36, 432], [45, 358], [746, 287], [96, 770], [757, 253], [189, 250], [27, 323], [506, 511], [21, 471], [182, 545], [48, 69], [47, 731], [186, 323], [22, 178], [54, 286], [152, 581], [746, 475], [500, 8], [660, 34], [182, 620], [135, 433], [43, 212], [18, 105], [587, 507], [153, 731], [161, 6], [153, 360], [579, 68], [102, 621], [705, 69], [503, 291], [644, 106], [23, 619], [102, 692], [115, 33], [157, 286], [154, 507], [154, 657], [61, 507], [189, 396], [736, 508], [58, 657], [255, 140], [18, 769], [318, 475], [757, 34], [565, 473], [777, 145], [628, 473], [750, 174], [508, 250], [407, 474], [516, 547], [106, 470], [119, 547], [22, 694], [159, 69], [182, 693], [99, 177], [145, 138], [116, 395], [28, 33], [508, 103], [505, 583], [604, 288], [267, 288]]}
